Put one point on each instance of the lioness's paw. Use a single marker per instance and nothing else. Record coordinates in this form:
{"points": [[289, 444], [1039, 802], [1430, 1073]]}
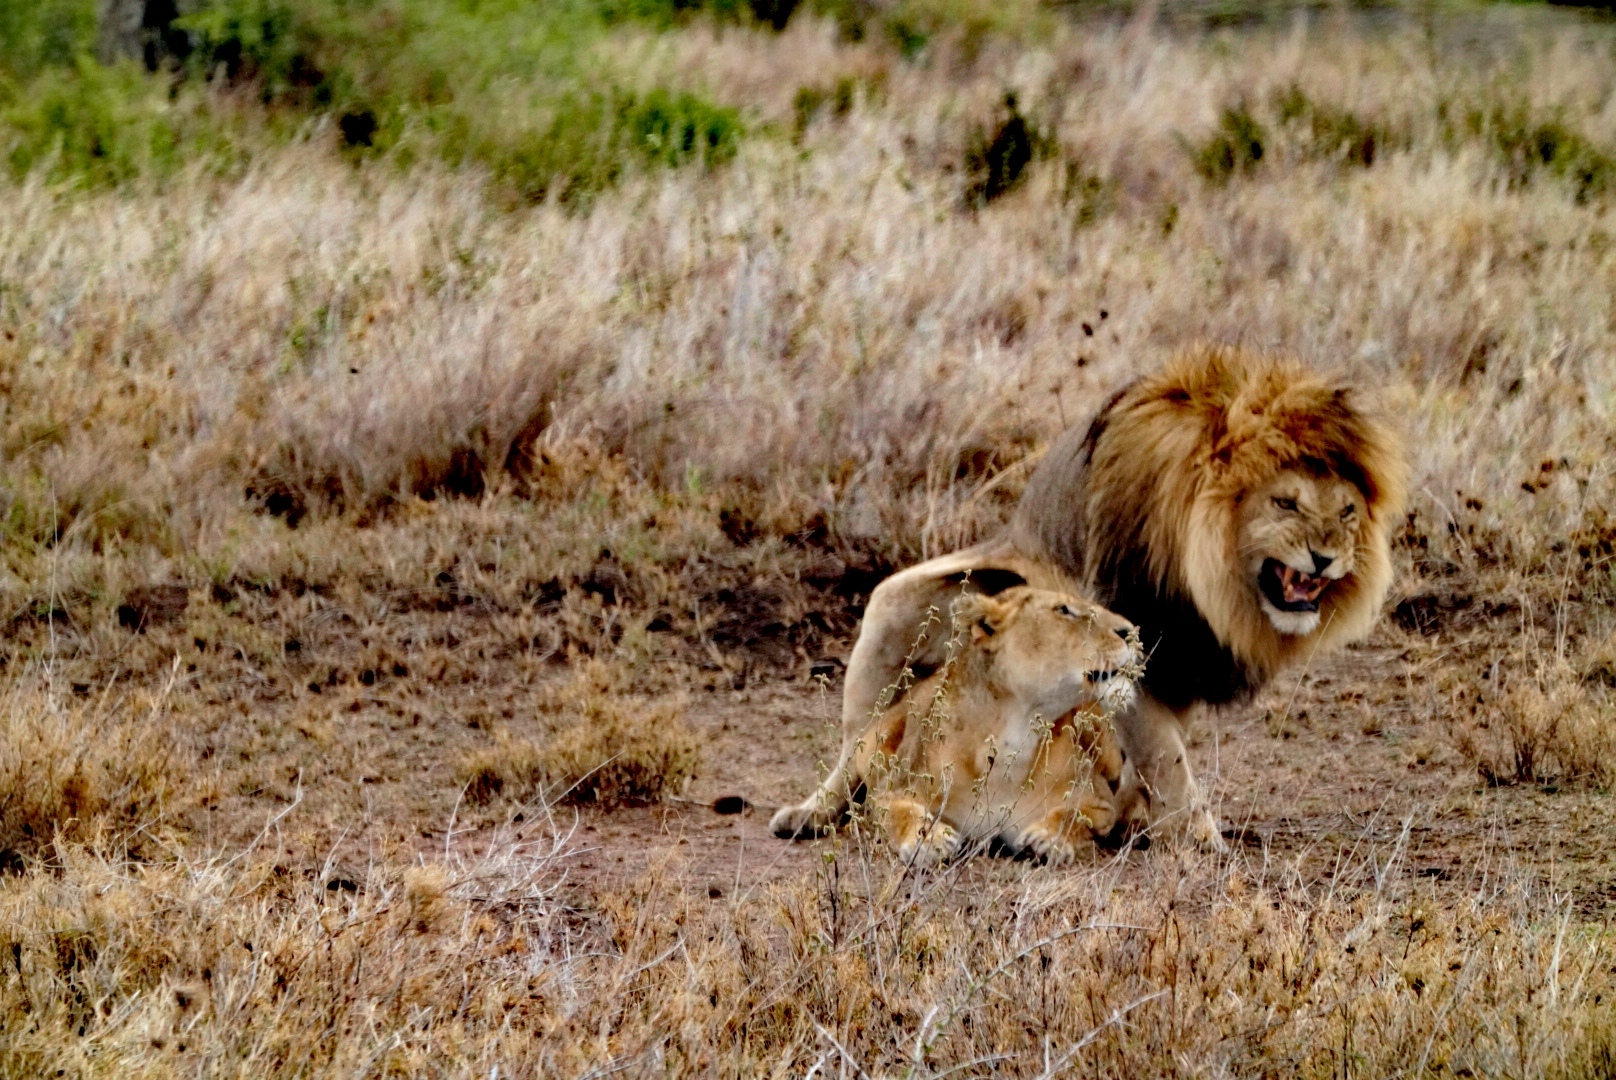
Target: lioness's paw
{"points": [[1050, 845], [801, 822], [937, 845]]}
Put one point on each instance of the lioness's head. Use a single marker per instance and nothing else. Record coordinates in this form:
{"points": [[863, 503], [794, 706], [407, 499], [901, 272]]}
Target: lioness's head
{"points": [[1298, 535], [1053, 651]]}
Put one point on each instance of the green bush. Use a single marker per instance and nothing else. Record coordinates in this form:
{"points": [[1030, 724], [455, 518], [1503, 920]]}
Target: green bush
{"points": [[39, 34], [68, 117], [105, 125], [591, 139], [1530, 147], [1334, 134], [1236, 147]]}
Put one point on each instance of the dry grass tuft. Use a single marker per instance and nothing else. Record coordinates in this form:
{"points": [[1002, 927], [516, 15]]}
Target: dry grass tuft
{"points": [[1552, 726], [622, 752], [72, 770], [610, 748]]}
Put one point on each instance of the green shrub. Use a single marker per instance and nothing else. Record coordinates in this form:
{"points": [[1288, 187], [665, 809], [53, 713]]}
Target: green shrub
{"points": [[771, 13], [1334, 134], [1529, 147], [104, 125], [36, 35], [260, 40], [1236, 147], [590, 140]]}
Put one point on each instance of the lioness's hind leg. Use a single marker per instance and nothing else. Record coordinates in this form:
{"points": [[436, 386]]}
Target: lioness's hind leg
{"points": [[894, 632]]}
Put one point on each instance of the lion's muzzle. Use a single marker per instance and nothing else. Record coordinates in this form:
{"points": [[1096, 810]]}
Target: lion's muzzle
{"points": [[1289, 589]]}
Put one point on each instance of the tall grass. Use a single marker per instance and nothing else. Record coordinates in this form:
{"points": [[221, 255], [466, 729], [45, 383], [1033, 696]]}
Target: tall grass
{"points": [[340, 336]]}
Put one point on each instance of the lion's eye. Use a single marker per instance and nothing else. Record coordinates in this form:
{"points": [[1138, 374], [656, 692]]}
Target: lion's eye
{"points": [[1288, 505], [1348, 511], [1067, 611]]}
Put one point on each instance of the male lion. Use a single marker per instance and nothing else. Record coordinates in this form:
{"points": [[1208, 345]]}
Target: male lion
{"points": [[1235, 506], [1010, 740]]}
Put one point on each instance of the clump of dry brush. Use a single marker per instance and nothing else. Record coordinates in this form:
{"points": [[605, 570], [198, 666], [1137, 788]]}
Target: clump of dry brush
{"points": [[490, 962]]}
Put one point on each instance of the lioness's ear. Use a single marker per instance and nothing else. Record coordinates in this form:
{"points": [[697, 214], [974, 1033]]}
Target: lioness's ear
{"points": [[985, 614]]}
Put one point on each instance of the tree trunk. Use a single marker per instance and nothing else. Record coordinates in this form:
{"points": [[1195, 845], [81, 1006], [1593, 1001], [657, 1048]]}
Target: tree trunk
{"points": [[140, 30]]}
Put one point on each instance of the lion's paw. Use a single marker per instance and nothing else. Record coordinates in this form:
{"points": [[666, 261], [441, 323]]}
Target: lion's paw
{"points": [[1197, 832], [1204, 832]]}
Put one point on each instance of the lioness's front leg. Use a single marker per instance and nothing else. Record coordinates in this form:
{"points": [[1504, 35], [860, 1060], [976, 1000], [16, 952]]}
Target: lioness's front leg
{"points": [[918, 835], [905, 622], [1152, 736]]}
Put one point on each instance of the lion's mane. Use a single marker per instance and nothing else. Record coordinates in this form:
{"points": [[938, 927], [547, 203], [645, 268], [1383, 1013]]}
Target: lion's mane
{"points": [[1140, 510]]}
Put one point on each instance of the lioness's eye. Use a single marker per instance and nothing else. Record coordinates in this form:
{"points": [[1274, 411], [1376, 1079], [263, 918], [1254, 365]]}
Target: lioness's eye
{"points": [[1285, 504], [1067, 611], [1348, 511]]}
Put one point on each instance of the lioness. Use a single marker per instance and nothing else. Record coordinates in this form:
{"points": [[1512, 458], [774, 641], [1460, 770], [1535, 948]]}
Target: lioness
{"points": [[1235, 506], [1011, 739]]}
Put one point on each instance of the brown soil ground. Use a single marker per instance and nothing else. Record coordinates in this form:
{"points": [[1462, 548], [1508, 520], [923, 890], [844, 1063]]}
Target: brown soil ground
{"points": [[1324, 770]]}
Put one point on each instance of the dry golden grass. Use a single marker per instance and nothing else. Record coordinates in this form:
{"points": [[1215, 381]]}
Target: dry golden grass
{"points": [[241, 968], [471, 507], [612, 749], [107, 771]]}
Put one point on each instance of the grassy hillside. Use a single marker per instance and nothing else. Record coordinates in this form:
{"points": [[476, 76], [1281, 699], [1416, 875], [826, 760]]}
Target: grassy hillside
{"points": [[432, 432]]}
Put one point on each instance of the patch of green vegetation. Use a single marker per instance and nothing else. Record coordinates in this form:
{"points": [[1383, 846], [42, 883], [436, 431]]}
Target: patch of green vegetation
{"points": [[996, 157], [1335, 134], [65, 116], [35, 36], [526, 90], [774, 14], [838, 100], [1236, 147], [1092, 196], [1530, 147], [108, 125], [518, 87], [591, 138]]}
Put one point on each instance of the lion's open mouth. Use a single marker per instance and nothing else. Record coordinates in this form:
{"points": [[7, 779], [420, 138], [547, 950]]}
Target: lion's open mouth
{"points": [[1288, 589]]}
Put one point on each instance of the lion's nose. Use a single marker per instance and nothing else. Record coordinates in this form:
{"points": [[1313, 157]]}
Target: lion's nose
{"points": [[1321, 562]]}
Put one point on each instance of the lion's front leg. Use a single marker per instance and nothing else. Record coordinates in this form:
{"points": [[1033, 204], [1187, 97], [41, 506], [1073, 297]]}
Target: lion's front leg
{"points": [[1152, 735]]}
